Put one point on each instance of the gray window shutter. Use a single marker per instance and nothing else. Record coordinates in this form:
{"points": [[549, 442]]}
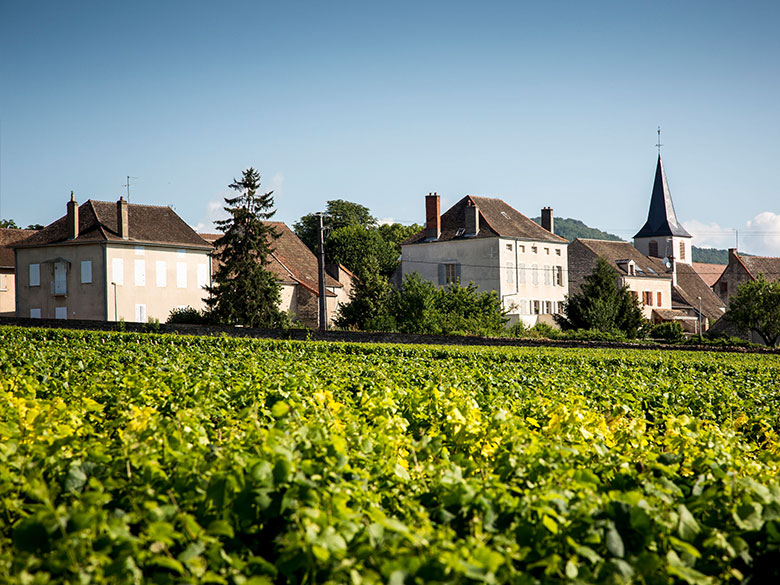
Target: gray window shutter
{"points": [[442, 274], [457, 271]]}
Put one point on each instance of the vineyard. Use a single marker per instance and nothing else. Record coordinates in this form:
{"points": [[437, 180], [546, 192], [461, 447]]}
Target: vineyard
{"points": [[131, 458]]}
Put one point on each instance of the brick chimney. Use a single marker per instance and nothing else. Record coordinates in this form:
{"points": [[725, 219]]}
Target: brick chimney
{"points": [[432, 216], [73, 218], [122, 226], [547, 219], [472, 219]]}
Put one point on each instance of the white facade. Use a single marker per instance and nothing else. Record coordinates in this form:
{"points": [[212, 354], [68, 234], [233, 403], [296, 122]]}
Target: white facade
{"points": [[530, 276], [677, 247]]}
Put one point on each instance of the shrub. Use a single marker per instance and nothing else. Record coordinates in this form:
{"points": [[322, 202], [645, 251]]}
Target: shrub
{"points": [[670, 331], [187, 316]]}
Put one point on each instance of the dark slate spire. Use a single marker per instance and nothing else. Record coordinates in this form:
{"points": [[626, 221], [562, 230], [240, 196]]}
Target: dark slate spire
{"points": [[661, 219]]}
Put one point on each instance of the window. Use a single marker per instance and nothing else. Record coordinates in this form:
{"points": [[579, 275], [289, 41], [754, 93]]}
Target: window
{"points": [[659, 299], [3, 282], [118, 271], [557, 251], [682, 250], [653, 249], [86, 271], [724, 288], [181, 274], [139, 251], [161, 276], [647, 298], [140, 313], [139, 269], [559, 275], [534, 274], [521, 273], [547, 275], [60, 278], [547, 307], [35, 313], [536, 307], [35, 277], [522, 249], [547, 251], [61, 313], [203, 275], [510, 273], [523, 307], [448, 272], [534, 249], [509, 247], [634, 294]]}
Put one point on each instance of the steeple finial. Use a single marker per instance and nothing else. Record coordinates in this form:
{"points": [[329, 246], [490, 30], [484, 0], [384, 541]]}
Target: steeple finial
{"points": [[659, 145]]}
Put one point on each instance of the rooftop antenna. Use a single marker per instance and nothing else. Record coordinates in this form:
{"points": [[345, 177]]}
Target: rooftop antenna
{"points": [[127, 185], [659, 145]]}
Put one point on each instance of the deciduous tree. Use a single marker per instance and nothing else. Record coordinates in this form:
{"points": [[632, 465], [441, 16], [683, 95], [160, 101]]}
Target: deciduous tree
{"points": [[756, 307]]}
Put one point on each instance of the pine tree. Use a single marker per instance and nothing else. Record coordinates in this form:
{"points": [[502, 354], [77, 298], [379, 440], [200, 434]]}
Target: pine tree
{"points": [[602, 304], [244, 291]]}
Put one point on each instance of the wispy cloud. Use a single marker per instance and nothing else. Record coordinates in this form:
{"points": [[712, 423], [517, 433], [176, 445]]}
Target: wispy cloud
{"points": [[214, 211], [760, 235]]}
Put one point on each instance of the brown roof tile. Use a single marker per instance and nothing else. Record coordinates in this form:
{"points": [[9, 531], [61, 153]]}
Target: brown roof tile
{"points": [[690, 286], [9, 237], [98, 223], [709, 273], [613, 252], [496, 219], [767, 265], [291, 260]]}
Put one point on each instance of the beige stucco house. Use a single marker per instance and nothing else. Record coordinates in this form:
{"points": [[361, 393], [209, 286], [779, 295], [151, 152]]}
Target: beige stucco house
{"points": [[8, 238], [111, 261], [295, 266], [488, 242]]}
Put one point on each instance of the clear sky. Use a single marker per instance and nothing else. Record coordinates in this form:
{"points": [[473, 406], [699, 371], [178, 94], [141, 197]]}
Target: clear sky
{"points": [[543, 103]]}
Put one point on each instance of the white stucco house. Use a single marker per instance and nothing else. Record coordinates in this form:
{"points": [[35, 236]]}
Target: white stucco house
{"points": [[488, 242]]}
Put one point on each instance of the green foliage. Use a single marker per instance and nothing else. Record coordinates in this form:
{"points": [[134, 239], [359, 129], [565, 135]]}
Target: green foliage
{"points": [[756, 307], [670, 331], [152, 326], [571, 229], [244, 291], [8, 224], [170, 459], [339, 214], [420, 307], [710, 255], [601, 304], [187, 316]]}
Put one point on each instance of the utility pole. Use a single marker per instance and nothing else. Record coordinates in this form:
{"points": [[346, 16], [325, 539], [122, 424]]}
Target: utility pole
{"points": [[321, 271]]}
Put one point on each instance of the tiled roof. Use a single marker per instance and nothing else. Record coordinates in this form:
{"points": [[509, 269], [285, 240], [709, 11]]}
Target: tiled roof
{"points": [[690, 287], [8, 237], [661, 218], [615, 252], [98, 223], [709, 273], [291, 261], [767, 265], [496, 219]]}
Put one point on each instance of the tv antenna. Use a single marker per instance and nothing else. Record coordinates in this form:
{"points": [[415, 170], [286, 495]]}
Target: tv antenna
{"points": [[127, 185]]}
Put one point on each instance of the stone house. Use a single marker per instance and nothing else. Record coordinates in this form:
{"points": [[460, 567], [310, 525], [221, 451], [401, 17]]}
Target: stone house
{"points": [[488, 242], [743, 269], [110, 261], [297, 270]]}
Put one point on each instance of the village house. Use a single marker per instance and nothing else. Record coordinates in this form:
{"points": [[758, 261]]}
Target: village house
{"points": [[110, 261], [487, 242], [9, 237], [743, 269], [296, 268]]}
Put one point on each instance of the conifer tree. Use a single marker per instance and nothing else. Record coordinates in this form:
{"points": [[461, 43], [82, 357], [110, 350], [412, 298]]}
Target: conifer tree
{"points": [[244, 291]]}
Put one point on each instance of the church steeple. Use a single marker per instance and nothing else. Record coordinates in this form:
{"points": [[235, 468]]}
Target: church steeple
{"points": [[661, 219]]}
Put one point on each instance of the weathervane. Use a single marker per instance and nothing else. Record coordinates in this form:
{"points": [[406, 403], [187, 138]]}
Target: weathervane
{"points": [[659, 145]]}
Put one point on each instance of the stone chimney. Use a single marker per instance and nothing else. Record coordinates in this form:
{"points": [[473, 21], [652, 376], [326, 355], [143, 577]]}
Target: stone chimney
{"points": [[673, 270], [122, 224], [547, 219], [432, 216], [472, 219], [73, 218], [732, 254]]}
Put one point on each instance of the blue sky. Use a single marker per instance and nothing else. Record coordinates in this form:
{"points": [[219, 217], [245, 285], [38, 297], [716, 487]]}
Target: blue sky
{"points": [[553, 103]]}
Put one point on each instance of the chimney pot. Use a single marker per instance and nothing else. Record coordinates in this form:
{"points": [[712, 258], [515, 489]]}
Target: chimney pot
{"points": [[121, 218], [432, 216], [547, 219], [73, 218]]}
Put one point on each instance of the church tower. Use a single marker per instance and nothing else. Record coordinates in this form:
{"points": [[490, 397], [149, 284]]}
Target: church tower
{"points": [[662, 236]]}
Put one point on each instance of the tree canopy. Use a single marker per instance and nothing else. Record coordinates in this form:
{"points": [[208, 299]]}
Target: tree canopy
{"points": [[601, 304], [244, 291], [756, 307]]}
